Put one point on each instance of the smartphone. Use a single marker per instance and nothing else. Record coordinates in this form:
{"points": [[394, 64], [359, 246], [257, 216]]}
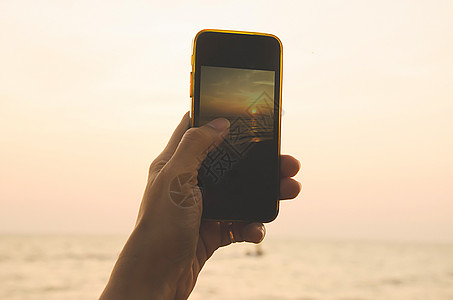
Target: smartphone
{"points": [[237, 75]]}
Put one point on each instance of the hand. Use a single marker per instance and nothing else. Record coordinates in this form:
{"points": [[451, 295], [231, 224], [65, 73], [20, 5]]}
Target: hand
{"points": [[169, 245]]}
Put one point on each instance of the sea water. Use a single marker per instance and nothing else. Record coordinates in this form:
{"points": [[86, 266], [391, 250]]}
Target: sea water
{"points": [[78, 267]]}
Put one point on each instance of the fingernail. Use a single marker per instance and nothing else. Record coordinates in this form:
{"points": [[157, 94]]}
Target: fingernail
{"points": [[263, 232], [220, 124]]}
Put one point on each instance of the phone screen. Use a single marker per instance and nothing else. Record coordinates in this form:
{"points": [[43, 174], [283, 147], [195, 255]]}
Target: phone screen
{"points": [[239, 168], [237, 76]]}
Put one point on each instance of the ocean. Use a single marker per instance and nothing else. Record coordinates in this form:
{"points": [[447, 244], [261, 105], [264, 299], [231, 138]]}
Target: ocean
{"points": [[77, 267]]}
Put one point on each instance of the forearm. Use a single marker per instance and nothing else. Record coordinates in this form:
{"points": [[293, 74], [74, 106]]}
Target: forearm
{"points": [[141, 271]]}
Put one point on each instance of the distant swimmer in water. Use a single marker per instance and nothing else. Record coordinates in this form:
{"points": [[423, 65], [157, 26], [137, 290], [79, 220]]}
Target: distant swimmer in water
{"points": [[257, 252]]}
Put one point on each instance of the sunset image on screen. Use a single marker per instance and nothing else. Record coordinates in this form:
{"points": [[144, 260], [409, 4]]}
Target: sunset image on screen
{"points": [[245, 97]]}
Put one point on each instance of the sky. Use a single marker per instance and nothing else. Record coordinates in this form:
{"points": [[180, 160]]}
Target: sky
{"points": [[90, 91]]}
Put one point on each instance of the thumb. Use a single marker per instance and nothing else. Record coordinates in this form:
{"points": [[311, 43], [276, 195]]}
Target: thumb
{"points": [[196, 144], [179, 176]]}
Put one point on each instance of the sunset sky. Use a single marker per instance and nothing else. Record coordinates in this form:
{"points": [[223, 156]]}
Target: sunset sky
{"points": [[231, 91], [90, 91]]}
